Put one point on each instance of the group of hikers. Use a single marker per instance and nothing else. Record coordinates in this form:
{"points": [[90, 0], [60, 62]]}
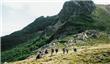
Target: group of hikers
{"points": [[52, 51], [80, 36]]}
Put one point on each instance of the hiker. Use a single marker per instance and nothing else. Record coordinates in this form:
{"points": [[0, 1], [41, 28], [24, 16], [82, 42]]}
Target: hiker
{"points": [[67, 51], [52, 51], [39, 55], [56, 50], [74, 49], [46, 51], [63, 50]]}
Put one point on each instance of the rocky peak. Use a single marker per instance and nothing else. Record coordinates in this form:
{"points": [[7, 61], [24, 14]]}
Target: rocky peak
{"points": [[76, 7]]}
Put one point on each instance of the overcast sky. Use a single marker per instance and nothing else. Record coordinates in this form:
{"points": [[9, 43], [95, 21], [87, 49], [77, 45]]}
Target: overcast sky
{"points": [[17, 14]]}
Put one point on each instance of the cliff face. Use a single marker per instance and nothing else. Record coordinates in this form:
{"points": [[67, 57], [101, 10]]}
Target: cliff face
{"points": [[75, 17], [76, 8]]}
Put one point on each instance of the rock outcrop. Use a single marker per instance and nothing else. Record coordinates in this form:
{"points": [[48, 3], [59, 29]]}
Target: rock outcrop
{"points": [[75, 7], [74, 16]]}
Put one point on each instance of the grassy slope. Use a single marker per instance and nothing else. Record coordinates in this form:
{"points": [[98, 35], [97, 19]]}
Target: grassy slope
{"points": [[96, 51], [101, 15], [98, 54]]}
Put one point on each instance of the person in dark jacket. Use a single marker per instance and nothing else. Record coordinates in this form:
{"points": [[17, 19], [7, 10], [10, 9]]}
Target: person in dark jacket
{"points": [[46, 51], [74, 49], [56, 50], [67, 51], [52, 51], [39, 55]]}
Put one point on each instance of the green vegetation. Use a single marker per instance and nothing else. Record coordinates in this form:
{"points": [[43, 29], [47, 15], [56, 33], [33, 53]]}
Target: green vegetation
{"points": [[92, 53], [30, 32], [101, 17], [22, 51], [21, 44]]}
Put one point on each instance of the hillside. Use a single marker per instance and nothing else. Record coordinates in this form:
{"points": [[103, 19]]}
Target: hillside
{"points": [[75, 17], [96, 51], [88, 55]]}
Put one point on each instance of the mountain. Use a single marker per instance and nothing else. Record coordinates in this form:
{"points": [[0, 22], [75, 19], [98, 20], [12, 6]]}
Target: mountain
{"points": [[49, 24], [74, 17]]}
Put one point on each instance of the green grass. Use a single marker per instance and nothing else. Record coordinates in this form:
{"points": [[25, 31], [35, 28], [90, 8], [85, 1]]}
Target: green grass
{"points": [[21, 51], [94, 51], [102, 19], [24, 50], [99, 54]]}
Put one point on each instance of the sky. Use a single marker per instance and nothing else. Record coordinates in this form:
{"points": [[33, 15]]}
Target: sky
{"points": [[16, 14]]}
